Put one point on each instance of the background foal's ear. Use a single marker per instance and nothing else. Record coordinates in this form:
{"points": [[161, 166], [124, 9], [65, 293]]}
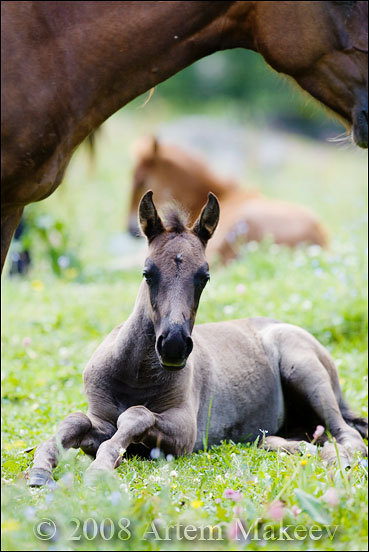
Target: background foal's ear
{"points": [[150, 221], [207, 222]]}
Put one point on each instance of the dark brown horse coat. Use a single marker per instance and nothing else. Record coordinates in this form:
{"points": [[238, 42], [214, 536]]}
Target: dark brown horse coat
{"points": [[67, 66]]}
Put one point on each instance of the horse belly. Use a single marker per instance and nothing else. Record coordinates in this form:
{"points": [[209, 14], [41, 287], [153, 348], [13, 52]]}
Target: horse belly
{"points": [[241, 420], [242, 399]]}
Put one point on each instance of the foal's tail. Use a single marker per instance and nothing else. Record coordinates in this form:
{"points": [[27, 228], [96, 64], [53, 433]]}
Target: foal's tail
{"points": [[353, 420]]}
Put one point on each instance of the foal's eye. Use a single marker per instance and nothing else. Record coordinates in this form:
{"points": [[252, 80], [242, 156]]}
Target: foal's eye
{"points": [[202, 279], [148, 277]]}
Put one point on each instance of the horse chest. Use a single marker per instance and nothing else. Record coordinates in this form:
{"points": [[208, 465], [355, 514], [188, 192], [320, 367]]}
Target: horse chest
{"points": [[157, 397]]}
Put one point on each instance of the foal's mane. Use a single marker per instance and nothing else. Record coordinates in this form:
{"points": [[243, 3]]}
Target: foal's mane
{"points": [[175, 219]]}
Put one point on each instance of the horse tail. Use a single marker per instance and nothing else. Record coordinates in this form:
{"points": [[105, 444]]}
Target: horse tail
{"points": [[357, 422], [90, 143]]}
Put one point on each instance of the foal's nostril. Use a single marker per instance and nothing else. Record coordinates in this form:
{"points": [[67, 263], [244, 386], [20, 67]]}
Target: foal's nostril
{"points": [[174, 346], [189, 345], [159, 344]]}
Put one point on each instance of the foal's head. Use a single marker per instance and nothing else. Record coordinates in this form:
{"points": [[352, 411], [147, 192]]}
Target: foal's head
{"points": [[176, 272]]}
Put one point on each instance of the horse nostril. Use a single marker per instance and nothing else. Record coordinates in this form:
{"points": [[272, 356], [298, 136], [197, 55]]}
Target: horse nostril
{"points": [[363, 116], [189, 345], [159, 344]]}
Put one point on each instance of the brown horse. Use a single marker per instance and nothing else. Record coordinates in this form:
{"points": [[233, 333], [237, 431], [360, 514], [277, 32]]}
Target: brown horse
{"points": [[155, 378], [68, 66], [246, 215]]}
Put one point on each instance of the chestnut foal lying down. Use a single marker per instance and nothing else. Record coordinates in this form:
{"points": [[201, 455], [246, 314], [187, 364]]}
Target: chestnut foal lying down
{"points": [[152, 379], [245, 214]]}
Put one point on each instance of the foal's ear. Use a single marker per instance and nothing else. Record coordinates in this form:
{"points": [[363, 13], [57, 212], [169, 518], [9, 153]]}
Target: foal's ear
{"points": [[207, 222], [150, 221]]}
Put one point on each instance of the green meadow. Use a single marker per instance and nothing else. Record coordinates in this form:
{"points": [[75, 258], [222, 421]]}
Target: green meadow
{"points": [[232, 496]]}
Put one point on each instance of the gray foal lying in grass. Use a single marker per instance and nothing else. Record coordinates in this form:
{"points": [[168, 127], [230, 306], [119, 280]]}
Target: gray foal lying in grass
{"points": [[152, 379]]}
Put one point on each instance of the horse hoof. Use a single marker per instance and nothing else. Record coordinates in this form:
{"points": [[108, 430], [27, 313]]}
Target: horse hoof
{"points": [[39, 477], [335, 455], [305, 447], [333, 461]]}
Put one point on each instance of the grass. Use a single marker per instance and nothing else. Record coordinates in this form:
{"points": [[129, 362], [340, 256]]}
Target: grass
{"points": [[52, 325]]}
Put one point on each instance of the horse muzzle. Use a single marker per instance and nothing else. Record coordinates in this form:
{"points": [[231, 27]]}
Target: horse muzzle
{"points": [[173, 347], [133, 227]]}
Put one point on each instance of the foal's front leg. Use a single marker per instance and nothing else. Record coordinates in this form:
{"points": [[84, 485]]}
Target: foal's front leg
{"points": [[76, 430], [174, 430]]}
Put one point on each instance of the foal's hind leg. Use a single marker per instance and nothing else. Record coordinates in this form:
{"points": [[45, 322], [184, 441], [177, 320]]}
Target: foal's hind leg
{"points": [[293, 446], [75, 431], [308, 370]]}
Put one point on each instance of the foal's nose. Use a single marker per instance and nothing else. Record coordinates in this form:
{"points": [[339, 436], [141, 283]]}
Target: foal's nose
{"points": [[174, 346]]}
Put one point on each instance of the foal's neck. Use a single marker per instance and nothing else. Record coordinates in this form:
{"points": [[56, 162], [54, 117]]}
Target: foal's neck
{"points": [[137, 366], [135, 346]]}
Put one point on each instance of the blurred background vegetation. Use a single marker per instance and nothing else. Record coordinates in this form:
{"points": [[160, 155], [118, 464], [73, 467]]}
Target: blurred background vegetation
{"points": [[237, 93], [257, 93]]}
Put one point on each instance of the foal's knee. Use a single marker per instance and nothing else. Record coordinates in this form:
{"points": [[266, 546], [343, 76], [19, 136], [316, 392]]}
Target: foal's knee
{"points": [[138, 414], [69, 435], [136, 420], [73, 428]]}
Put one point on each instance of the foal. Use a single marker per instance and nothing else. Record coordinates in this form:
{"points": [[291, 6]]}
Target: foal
{"points": [[246, 215], [153, 378]]}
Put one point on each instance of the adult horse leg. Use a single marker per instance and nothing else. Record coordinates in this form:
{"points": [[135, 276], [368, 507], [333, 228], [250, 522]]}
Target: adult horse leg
{"points": [[75, 431], [174, 430], [10, 218]]}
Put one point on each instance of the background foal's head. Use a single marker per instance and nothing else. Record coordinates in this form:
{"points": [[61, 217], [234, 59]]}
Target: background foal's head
{"points": [[176, 272]]}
